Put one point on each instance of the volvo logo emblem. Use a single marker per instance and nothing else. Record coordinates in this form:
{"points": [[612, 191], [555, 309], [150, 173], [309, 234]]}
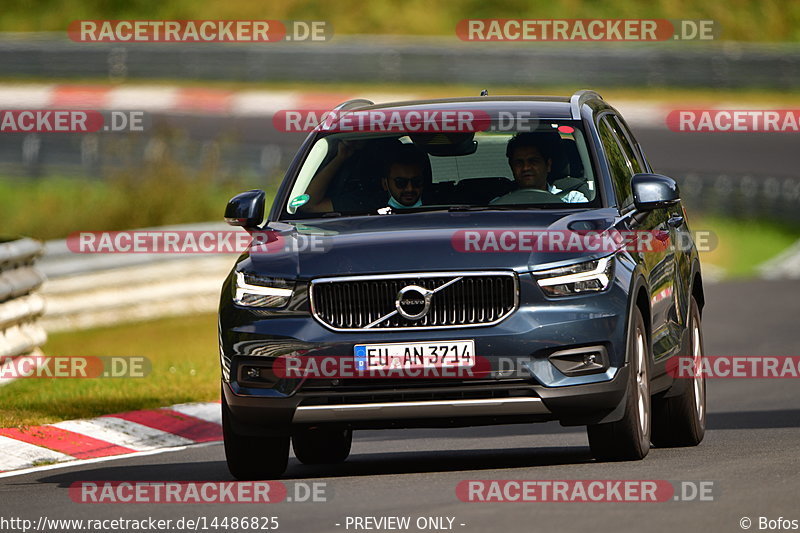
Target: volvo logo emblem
{"points": [[413, 302]]}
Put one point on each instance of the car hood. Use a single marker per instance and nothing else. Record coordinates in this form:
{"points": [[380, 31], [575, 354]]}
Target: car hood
{"points": [[417, 242]]}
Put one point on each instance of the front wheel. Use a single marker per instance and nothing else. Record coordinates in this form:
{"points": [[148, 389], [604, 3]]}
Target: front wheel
{"points": [[253, 458], [628, 439], [681, 420]]}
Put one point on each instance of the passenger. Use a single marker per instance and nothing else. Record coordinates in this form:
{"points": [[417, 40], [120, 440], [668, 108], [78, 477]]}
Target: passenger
{"points": [[530, 161]]}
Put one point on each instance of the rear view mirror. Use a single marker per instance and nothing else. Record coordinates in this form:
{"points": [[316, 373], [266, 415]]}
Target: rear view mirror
{"points": [[654, 191], [246, 209], [446, 144]]}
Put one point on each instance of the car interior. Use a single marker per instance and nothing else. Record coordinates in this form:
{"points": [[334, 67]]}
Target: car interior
{"points": [[467, 168]]}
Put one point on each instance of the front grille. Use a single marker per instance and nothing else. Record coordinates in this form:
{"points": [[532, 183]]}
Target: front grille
{"points": [[460, 299]]}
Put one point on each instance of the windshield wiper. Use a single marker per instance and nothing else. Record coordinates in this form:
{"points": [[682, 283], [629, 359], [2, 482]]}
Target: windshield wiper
{"points": [[457, 208], [420, 209], [513, 207], [465, 208]]}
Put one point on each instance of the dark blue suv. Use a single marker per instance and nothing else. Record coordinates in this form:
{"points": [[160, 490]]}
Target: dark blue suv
{"points": [[461, 262]]}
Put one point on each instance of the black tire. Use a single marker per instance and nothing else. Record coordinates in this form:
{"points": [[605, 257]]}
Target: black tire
{"points": [[319, 446], [681, 420], [253, 458], [628, 439]]}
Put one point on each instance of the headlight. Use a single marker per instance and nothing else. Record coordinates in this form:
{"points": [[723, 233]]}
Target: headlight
{"points": [[252, 290], [591, 276]]}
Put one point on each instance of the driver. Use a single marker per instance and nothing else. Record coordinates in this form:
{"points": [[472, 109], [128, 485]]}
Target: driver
{"points": [[404, 172], [530, 161]]}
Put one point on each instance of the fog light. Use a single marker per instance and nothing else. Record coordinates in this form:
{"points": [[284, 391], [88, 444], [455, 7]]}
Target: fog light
{"points": [[252, 372], [580, 361]]}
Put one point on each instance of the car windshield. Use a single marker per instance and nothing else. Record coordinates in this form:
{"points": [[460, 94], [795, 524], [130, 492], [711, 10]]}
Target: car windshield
{"points": [[351, 174]]}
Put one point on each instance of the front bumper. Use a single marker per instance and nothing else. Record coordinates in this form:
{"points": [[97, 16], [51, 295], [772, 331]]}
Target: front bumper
{"points": [[438, 405], [535, 390]]}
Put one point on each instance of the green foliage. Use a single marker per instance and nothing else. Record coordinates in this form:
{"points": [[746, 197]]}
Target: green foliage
{"points": [[741, 20], [743, 245], [157, 191]]}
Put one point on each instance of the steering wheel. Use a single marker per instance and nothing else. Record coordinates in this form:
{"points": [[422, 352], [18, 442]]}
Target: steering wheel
{"points": [[527, 196]]}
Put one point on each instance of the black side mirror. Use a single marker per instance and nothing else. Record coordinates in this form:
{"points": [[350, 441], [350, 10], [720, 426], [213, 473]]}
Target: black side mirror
{"points": [[246, 209], [654, 191]]}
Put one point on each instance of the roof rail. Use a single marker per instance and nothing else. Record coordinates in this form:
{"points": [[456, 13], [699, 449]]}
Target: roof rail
{"points": [[350, 104], [580, 98]]}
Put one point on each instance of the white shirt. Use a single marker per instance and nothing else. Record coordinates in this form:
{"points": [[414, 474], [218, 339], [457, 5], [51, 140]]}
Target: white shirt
{"points": [[573, 197]]}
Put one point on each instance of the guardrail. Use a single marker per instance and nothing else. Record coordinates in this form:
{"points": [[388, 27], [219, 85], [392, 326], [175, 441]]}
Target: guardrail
{"points": [[90, 290], [20, 305], [743, 197], [412, 60]]}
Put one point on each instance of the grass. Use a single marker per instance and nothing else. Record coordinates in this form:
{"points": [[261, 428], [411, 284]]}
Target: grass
{"points": [[139, 194], [44, 462], [52, 208], [185, 368], [742, 245], [744, 20]]}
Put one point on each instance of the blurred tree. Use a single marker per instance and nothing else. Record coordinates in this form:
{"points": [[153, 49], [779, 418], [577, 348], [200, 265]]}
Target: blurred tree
{"points": [[741, 20]]}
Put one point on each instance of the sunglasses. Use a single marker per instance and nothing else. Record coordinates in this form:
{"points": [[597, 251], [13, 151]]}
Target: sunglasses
{"points": [[402, 183]]}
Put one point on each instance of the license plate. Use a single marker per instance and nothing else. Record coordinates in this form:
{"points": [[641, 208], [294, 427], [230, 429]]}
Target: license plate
{"points": [[415, 355]]}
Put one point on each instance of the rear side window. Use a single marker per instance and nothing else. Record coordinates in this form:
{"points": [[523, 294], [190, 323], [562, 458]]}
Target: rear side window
{"points": [[619, 165]]}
